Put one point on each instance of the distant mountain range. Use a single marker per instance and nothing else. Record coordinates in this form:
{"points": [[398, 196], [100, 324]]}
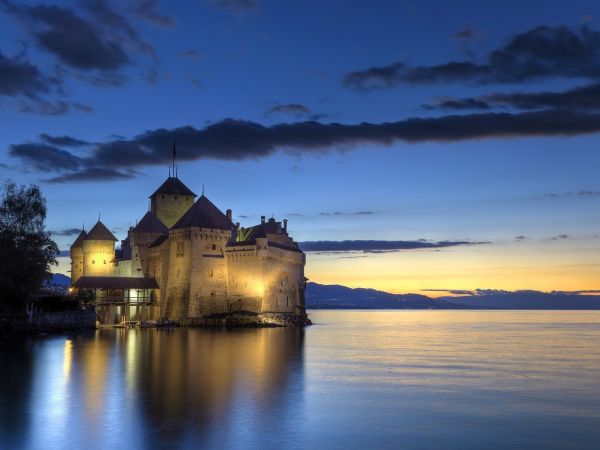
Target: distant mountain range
{"points": [[58, 279], [334, 296], [319, 296]]}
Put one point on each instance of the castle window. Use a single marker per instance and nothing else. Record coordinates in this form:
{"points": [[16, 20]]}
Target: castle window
{"points": [[214, 247], [104, 261], [93, 261], [180, 249], [210, 272], [175, 197], [162, 196]]}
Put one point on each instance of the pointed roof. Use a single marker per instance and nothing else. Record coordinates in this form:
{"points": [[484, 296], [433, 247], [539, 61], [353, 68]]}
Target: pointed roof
{"points": [[173, 186], [204, 214], [79, 240], [100, 233], [151, 224]]}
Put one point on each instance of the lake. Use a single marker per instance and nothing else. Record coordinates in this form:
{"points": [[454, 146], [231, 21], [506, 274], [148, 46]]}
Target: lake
{"points": [[358, 379]]}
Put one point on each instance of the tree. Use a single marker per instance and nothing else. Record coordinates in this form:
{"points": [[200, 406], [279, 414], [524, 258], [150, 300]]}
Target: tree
{"points": [[26, 249]]}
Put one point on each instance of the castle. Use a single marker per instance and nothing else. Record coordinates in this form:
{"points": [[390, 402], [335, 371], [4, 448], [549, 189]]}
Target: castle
{"points": [[187, 262]]}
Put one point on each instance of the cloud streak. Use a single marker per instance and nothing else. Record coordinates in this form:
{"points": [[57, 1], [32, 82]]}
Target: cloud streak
{"points": [[581, 98], [104, 40], [539, 53], [378, 246], [236, 140], [18, 77]]}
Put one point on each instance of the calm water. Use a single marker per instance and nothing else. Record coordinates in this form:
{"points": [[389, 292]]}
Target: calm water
{"points": [[359, 379]]}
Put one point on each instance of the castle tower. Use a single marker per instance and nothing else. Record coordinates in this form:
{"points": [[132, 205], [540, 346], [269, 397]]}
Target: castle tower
{"points": [[98, 248], [148, 229], [197, 272], [171, 200], [77, 257]]}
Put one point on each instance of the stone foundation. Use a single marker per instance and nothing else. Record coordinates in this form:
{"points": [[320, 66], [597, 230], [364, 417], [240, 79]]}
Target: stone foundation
{"points": [[245, 320]]}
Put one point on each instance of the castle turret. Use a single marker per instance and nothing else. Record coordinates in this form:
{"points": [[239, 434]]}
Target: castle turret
{"points": [[140, 237], [98, 251], [197, 266], [171, 200], [76, 254]]}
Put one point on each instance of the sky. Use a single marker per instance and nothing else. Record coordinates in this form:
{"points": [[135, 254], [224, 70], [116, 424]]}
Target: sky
{"points": [[412, 145]]}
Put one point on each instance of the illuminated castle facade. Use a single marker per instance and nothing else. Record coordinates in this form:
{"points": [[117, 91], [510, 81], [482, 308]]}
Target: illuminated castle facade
{"points": [[186, 261]]}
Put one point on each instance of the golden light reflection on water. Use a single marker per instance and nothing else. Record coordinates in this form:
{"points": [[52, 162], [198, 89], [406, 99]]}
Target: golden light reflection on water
{"points": [[67, 357], [358, 379]]}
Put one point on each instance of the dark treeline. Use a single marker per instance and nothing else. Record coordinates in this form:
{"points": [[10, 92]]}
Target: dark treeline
{"points": [[26, 249]]}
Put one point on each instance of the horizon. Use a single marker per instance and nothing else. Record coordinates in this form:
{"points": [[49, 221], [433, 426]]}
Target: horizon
{"points": [[421, 148]]}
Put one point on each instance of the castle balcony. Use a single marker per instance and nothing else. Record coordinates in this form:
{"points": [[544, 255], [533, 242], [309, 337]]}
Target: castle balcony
{"points": [[121, 290], [120, 299]]}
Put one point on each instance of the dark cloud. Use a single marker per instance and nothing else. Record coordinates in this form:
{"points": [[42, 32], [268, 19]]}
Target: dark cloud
{"points": [[146, 10], [104, 79], [451, 291], [559, 237], [467, 33], [62, 141], [53, 107], [191, 54], [583, 98], [92, 174], [67, 232], [18, 77], [102, 41], [240, 140], [45, 157], [581, 193], [292, 109], [340, 213], [234, 5], [378, 246], [521, 238], [541, 52]]}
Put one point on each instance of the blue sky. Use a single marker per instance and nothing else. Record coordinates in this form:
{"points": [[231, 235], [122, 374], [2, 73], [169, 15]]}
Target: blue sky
{"points": [[533, 198]]}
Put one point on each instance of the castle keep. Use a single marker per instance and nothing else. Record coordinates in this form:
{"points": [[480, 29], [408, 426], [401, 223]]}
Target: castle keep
{"points": [[186, 261]]}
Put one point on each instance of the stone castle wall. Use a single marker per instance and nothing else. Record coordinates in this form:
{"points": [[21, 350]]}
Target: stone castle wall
{"points": [[97, 258], [76, 264], [208, 287]]}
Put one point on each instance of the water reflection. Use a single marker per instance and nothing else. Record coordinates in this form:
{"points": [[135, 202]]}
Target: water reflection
{"points": [[16, 371], [152, 389], [359, 379]]}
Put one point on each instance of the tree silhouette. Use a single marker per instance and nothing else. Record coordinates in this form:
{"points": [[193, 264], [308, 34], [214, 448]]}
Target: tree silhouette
{"points": [[26, 249]]}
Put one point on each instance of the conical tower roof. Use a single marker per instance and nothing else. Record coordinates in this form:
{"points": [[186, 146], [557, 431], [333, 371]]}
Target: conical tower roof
{"points": [[100, 233], [79, 240], [204, 214], [151, 224], [173, 186]]}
